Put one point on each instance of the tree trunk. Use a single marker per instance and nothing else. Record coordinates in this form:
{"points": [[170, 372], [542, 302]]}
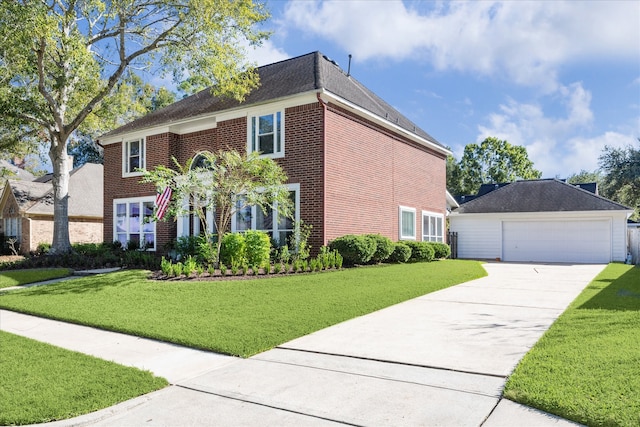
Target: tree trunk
{"points": [[61, 169]]}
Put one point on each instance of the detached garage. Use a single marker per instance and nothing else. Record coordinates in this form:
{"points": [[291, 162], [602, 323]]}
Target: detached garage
{"points": [[541, 221]]}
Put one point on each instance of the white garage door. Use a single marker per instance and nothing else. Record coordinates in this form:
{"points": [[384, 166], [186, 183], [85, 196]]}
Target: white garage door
{"points": [[557, 241]]}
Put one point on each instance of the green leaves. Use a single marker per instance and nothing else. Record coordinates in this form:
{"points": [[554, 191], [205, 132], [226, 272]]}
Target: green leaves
{"points": [[493, 160]]}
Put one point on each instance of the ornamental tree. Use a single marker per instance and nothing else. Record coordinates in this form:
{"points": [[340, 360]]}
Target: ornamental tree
{"points": [[226, 182], [62, 63]]}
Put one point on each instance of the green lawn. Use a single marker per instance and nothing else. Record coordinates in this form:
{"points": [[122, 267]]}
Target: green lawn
{"points": [[22, 277], [41, 383], [587, 366], [242, 317]]}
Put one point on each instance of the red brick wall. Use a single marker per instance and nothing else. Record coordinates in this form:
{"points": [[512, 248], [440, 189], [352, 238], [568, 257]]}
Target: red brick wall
{"points": [[370, 173]]}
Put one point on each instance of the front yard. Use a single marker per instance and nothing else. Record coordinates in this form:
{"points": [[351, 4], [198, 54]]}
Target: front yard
{"points": [[23, 277], [586, 367], [239, 317], [41, 383]]}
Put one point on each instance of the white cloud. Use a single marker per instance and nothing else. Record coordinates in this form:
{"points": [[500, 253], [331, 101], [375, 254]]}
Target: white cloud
{"points": [[265, 54], [554, 144], [527, 42]]}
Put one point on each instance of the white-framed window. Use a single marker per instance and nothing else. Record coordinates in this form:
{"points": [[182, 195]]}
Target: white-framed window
{"points": [[133, 222], [432, 227], [133, 157], [12, 227], [280, 228], [266, 134], [190, 225], [407, 225]]}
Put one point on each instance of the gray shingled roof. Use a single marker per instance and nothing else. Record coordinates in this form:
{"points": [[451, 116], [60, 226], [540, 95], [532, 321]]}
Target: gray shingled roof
{"points": [[543, 195], [306, 73]]}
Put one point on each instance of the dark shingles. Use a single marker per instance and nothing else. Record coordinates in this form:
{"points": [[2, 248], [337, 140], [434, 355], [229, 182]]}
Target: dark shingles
{"points": [[544, 195], [306, 73]]}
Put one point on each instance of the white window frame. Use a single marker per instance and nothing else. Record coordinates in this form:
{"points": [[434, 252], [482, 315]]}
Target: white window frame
{"points": [[189, 225], [253, 137], [127, 202], [401, 210], [126, 157], [275, 230], [428, 234], [12, 224]]}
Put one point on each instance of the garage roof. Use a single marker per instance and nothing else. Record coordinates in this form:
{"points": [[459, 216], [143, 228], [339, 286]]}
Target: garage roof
{"points": [[541, 195]]}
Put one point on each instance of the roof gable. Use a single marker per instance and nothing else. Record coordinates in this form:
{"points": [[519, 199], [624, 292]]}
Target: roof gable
{"points": [[303, 74], [543, 195]]}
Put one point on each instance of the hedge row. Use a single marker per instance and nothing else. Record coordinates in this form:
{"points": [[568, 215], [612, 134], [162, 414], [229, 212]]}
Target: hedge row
{"points": [[373, 249]]}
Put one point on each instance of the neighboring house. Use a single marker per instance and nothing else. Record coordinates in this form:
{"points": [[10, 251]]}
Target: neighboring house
{"points": [[355, 165], [27, 208], [543, 220]]}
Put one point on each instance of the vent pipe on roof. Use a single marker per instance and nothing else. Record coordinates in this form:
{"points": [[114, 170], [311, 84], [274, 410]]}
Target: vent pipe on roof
{"points": [[349, 67]]}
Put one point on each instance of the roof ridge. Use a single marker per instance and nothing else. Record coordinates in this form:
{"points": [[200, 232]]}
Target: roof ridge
{"points": [[597, 196]]}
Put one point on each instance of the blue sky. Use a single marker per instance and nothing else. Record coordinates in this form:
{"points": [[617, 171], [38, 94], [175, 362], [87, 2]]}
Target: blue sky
{"points": [[560, 78]]}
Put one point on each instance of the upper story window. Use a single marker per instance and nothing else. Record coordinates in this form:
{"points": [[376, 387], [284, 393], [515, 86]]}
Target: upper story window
{"points": [[133, 157], [266, 134]]}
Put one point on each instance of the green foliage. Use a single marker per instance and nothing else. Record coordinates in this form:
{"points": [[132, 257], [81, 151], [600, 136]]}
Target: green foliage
{"points": [[384, 248], [584, 177], [177, 269], [420, 251], [277, 267], [190, 265], [166, 266], [441, 250], [401, 252], [257, 247], [493, 160], [283, 254], [299, 240], [354, 249], [233, 250], [621, 182]]}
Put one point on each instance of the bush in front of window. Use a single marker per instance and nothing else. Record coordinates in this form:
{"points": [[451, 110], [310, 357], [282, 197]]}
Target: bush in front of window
{"points": [[354, 249], [384, 248], [233, 249], [420, 251], [257, 248], [401, 253], [441, 250]]}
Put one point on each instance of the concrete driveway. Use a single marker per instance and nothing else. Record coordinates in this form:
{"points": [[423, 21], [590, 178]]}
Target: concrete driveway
{"points": [[441, 359]]}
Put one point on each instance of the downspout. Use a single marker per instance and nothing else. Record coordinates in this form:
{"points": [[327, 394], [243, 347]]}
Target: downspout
{"points": [[324, 168]]}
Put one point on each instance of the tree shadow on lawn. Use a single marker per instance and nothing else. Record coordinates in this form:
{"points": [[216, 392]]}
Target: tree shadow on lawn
{"points": [[88, 284], [622, 293]]}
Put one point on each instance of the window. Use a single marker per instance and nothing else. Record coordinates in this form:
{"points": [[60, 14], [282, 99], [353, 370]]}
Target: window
{"points": [[266, 134], [12, 227], [407, 223], [432, 227], [133, 222], [133, 152], [280, 228], [191, 225]]}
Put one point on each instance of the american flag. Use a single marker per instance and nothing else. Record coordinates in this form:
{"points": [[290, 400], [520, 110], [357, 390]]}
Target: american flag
{"points": [[162, 202]]}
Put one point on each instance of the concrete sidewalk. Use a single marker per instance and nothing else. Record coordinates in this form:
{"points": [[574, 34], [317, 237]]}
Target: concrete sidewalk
{"points": [[440, 359]]}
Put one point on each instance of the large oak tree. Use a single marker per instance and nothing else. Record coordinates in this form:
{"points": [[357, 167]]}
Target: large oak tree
{"points": [[62, 61]]}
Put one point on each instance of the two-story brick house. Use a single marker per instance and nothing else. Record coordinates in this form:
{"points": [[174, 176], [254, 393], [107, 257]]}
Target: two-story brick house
{"points": [[354, 163]]}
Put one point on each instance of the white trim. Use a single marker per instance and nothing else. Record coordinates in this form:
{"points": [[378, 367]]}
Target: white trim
{"points": [[384, 122], [267, 112], [436, 215], [401, 210], [127, 202], [126, 157], [291, 187]]}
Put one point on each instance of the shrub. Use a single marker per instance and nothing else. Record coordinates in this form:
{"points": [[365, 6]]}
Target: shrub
{"points": [[166, 267], [441, 250], [43, 248], [401, 253], [384, 248], [190, 266], [177, 269], [257, 247], [354, 249], [420, 251], [233, 249]]}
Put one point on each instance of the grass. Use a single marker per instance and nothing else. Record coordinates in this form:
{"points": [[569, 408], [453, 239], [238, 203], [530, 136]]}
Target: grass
{"points": [[242, 317], [587, 365], [41, 383], [22, 277]]}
